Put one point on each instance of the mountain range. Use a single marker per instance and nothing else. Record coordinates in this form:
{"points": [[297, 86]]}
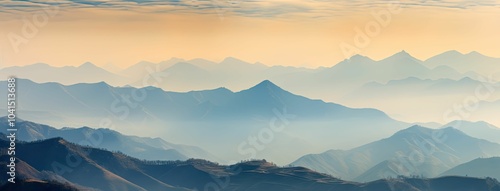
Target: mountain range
{"points": [[348, 82], [108, 171], [470, 62], [236, 74]]}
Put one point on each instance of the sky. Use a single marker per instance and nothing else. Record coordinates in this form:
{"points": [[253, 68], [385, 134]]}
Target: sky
{"points": [[302, 33]]}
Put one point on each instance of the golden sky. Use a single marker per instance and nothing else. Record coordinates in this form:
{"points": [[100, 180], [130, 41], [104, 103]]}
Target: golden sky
{"points": [[305, 33]]}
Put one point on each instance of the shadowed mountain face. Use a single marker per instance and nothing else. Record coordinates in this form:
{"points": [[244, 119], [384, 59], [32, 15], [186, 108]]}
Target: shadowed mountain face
{"points": [[107, 171], [413, 151], [203, 116], [139, 147]]}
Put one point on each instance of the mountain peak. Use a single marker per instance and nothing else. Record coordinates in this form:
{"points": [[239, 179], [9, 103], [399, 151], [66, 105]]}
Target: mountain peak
{"points": [[403, 53], [87, 65], [267, 84], [467, 79], [175, 59], [359, 58], [474, 53], [264, 86], [39, 64], [400, 57], [415, 129], [232, 60], [55, 140], [452, 131], [452, 52]]}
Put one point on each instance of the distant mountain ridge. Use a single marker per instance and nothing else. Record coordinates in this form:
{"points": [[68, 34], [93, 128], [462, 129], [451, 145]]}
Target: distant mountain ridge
{"points": [[237, 74], [42, 72], [472, 61], [336, 83]]}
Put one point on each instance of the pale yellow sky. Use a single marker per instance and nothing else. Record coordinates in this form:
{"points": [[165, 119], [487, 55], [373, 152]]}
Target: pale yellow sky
{"points": [[297, 33]]}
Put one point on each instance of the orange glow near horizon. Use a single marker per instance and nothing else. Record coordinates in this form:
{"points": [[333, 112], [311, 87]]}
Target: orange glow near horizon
{"points": [[123, 38]]}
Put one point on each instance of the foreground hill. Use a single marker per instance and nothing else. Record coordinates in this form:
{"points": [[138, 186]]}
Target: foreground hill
{"points": [[98, 169]]}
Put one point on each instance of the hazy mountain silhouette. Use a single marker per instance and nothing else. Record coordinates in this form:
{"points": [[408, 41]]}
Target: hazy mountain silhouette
{"points": [[398, 66], [144, 68], [470, 62], [199, 74], [41, 72], [327, 83], [479, 129], [236, 74], [182, 76], [336, 82]]}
